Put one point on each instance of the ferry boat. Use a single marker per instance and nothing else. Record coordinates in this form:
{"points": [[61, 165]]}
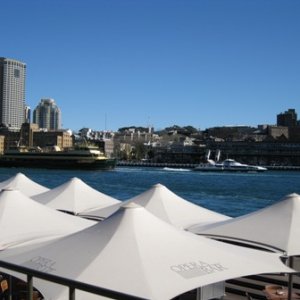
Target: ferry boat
{"points": [[83, 157]]}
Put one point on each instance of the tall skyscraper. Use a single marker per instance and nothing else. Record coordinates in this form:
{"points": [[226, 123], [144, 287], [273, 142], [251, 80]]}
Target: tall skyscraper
{"points": [[47, 115], [12, 92]]}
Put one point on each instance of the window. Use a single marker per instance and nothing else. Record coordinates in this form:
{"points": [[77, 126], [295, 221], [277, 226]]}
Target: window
{"points": [[17, 73]]}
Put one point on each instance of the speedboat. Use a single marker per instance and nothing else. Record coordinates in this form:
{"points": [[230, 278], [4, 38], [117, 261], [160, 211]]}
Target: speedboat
{"points": [[228, 165]]}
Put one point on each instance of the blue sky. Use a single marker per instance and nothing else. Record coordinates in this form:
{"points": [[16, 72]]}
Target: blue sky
{"points": [[115, 63]]}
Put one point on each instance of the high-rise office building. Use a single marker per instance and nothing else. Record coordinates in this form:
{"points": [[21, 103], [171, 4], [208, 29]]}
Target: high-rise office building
{"points": [[47, 115], [12, 92]]}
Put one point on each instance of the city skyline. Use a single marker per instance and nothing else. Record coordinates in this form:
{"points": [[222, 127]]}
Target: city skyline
{"points": [[113, 64]]}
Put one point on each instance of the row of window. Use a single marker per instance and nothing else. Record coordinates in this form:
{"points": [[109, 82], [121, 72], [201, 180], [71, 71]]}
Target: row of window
{"points": [[14, 63]]}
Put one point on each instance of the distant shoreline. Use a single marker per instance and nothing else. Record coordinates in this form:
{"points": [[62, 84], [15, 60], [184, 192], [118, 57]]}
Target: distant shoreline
{"points": [[191, 166]]}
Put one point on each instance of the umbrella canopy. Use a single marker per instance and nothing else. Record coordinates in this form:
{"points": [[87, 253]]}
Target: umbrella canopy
{"points": [[175, 210], [24, 221], [277, 225], [75, 197], [24, 184], [136, 253], [101, 213]]}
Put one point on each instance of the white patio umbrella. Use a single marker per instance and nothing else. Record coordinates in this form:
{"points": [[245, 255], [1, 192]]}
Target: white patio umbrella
{"points": [[175, 210], [276, 226], [22, 183], [24, 221], [136, 253], [102, 212], [75, 197]]}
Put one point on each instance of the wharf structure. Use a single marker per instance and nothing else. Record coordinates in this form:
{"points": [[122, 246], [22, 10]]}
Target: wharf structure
{"points": [[172, 150], [267, 145], [262, 153], [275, 156], [272, 154]]}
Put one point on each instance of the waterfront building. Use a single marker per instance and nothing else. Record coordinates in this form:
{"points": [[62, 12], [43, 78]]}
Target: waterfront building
{"points": [[294, 134], [2, 141], [30, 136], [12, 92], [47, 115], [53, 139], [11, 137], [278, 132], [26, 134], [232, 133], [109, 147], [288, 118]]}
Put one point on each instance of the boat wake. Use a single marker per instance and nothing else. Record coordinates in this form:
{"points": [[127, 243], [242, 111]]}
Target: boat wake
{"points": [[176, 169]]}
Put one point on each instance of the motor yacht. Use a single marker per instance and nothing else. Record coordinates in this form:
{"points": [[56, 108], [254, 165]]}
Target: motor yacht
{"points": [[228, 165]]}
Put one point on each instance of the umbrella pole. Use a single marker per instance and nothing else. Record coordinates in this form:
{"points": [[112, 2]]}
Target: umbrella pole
{"points": [[71, 293], [29, 287], [10, 287], [290, 278]]}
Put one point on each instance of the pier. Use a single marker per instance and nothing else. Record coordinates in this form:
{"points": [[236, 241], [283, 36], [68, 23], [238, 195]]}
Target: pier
{"points": [[191, 166], [123, 163]]}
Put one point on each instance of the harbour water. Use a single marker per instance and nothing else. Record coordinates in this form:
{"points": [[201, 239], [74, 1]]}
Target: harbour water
{"points": [[233, 194]]}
